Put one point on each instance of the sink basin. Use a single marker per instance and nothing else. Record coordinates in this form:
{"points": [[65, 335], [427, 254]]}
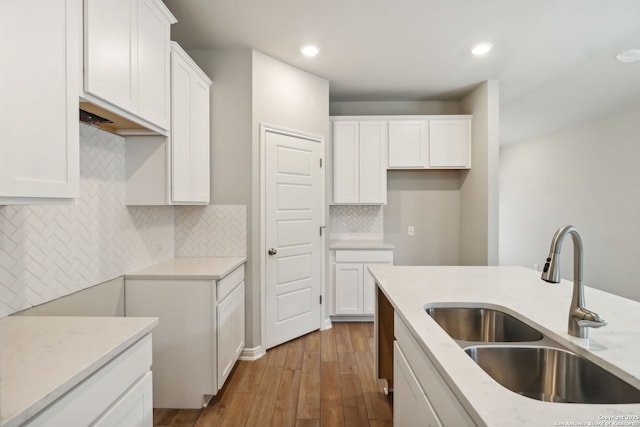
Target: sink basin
{"points": [[482, 325], [552, 375]]}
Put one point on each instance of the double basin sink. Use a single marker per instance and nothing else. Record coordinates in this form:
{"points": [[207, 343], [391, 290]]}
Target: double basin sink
{"points": [[527, 362]]}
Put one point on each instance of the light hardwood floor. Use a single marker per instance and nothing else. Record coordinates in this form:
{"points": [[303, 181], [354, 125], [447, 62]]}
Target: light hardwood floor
{"points": [[321, 379]]}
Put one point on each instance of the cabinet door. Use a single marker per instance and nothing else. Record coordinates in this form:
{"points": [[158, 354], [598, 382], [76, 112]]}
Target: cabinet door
{"points": [[182, 181], [346, 135], [189, 131], [408, 141], [40, 70], [410, 405], [200, 131], [135, 408], [110, 53], [348, 288], [449, 143], [373, 162], [153, 64], [230, 332]]}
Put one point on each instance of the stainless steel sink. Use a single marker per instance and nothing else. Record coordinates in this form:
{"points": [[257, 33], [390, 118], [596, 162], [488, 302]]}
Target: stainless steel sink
{"points": [[552, 375], [482, 325]]}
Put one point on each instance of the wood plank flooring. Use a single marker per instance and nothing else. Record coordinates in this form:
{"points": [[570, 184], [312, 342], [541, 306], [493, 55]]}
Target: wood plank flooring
{"points": [[324, 378]]}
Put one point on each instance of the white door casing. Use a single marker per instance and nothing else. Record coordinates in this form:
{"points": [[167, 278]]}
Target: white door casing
{"points": [[293, 200]]}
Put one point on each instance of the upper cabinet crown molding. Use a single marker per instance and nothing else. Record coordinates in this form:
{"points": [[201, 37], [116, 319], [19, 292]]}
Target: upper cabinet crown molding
{"points": [[127, 60], [39, 155]]}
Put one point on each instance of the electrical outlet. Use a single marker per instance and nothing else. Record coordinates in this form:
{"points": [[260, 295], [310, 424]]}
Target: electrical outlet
{"points": [[411, 231]]}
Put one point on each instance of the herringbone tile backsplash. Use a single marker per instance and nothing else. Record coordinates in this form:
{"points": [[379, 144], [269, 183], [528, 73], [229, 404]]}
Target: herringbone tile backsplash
{"points": [[211, 231], [356, 222], [47, 251]]}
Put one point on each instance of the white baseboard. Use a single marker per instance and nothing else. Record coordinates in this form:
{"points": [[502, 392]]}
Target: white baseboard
{"points": [[326, 324], [254, 353], [338, 318]]}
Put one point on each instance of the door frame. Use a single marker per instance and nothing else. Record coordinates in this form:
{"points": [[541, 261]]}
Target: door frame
{"points": [[264, 129]]}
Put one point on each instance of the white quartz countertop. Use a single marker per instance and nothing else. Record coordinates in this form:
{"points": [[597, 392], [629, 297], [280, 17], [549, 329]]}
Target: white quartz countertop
{"points": [[41, 358], [190, 268], [360, 244], [518, 291]]}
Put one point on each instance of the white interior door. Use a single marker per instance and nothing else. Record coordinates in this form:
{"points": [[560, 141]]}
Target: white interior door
{"points": [[293, 211]]}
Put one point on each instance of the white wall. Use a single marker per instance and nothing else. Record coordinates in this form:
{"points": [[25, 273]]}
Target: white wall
{"points": [[587, 176], [479, 186]]}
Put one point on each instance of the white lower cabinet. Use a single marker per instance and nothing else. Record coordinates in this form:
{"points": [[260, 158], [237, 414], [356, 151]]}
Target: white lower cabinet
{"points": [[117, 394], [411, 408], [133, 410], [420, 392], [230, 332], [199, 338], [353, 285]]}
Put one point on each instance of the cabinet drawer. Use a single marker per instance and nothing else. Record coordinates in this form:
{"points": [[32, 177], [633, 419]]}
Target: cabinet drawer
{"points": [[447, 406], [365, 255], [229, 283], [83, 404]]}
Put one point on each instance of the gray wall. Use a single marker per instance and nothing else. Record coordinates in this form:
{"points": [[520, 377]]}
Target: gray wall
{"points": [[430, 201], [479, 186], [105, 299], [587, 176], [250, 88]]}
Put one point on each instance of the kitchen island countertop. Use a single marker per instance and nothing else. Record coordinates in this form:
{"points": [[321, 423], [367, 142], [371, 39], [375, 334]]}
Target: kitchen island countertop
{"points": [[518, 291]]}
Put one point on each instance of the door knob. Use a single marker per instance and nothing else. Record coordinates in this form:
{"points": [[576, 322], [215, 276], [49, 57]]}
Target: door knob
{"points": [[272, 251]]}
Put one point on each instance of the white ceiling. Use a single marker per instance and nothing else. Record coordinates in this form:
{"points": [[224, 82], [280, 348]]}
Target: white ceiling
{"points": [[555, 59]]}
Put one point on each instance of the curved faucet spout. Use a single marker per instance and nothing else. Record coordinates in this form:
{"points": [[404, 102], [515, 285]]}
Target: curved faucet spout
{"points": [[579, 317]]}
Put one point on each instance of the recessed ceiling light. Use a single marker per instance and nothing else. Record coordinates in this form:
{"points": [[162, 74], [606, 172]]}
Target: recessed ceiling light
{"points": [[481, 49], [309, 51], [632, 55]]}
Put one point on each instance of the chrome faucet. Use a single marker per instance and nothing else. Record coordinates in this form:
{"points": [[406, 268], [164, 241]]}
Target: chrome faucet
{"points": [[580, 318]]}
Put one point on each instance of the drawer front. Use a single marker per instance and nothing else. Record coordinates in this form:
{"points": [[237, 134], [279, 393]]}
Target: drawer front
{"points": [[365, 256], [229, 283], [445, 403], [83, 404]]}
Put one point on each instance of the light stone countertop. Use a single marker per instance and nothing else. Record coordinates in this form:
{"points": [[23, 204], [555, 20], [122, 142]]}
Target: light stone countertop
{"points": [[189, 268], [518, 291], [41, 358], [360, 244]]}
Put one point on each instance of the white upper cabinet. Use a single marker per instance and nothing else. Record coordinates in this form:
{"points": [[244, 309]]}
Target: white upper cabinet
{"points": [[408, 141], [127, 59], [450, 143], [190, 129], [359, 162], [39, 80], [437, 142], [174, 170]]}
